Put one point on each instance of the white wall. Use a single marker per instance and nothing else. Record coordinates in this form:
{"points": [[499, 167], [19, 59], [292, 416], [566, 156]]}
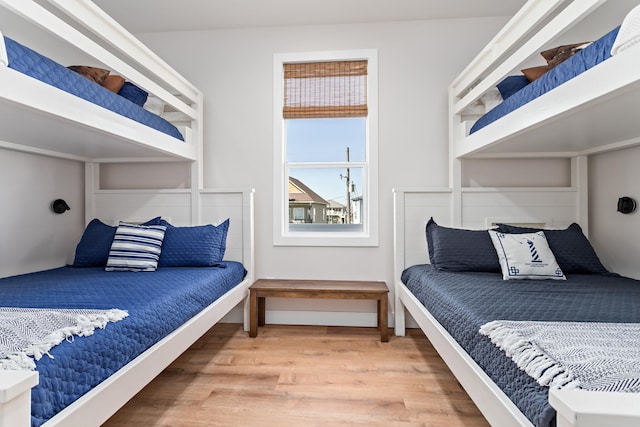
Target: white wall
{"points": [[417, 61], [233, 68], [615, 236], [516, 173], [32, 236]]}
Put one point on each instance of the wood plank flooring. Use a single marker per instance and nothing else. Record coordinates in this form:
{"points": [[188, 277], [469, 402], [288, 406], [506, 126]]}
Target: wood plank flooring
{"points": [[303, 376]]}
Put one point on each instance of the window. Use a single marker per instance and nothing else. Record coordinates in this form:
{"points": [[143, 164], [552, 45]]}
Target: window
{"points": [[325, 149]]}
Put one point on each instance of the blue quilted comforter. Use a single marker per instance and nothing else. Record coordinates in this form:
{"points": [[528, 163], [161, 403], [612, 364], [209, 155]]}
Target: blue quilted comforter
{"points": [[589, 57], [31, 63], [157, 303], [462, 302]]}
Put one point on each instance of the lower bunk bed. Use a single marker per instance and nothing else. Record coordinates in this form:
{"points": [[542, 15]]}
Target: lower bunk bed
{"points": [[115, 330], [462, 302], [452, 307]]}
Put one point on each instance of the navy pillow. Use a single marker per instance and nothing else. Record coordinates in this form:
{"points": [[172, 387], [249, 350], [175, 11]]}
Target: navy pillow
{"points": [[93, 248], [511, 85], [457, 249], [571, 248], [431, 224], [133, 93], [199, 246]]}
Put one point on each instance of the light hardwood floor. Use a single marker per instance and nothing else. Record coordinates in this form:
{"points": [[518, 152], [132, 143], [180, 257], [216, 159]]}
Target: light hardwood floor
{"points": [[303, 376]]}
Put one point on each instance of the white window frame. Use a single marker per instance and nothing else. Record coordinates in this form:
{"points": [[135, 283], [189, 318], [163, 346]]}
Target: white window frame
{"points": [[368, 236]]}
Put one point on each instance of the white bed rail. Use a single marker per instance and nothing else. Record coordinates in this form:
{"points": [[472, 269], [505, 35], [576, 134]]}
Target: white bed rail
{"points": [[581, 408], [15, 397], [530, 16], [4, 61]]}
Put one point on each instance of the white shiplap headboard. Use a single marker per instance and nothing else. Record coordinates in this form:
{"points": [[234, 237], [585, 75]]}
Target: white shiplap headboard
{"points": [[216, 205], [553, 207]]}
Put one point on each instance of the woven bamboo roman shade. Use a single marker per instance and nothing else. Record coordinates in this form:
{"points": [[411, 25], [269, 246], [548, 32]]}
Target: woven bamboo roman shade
{"points": [[325, 90]]}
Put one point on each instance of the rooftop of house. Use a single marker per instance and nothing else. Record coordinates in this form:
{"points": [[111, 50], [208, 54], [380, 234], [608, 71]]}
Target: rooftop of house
{"points": [[299, 192]]}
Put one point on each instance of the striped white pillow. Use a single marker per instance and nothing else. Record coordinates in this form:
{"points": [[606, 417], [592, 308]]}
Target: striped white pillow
{"points": [[136, 247]]}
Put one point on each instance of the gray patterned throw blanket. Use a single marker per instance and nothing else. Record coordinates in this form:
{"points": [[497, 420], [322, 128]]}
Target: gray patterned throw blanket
{"points": [[29, 333], [590, 356]]}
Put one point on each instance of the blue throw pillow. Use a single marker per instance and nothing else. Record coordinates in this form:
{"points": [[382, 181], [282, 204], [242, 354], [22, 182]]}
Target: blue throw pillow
{"points": [[136, 247], [431, 225], [199, 246], [571, 248], [457, 249], [93, 248], [511, 85], [133, 93]]}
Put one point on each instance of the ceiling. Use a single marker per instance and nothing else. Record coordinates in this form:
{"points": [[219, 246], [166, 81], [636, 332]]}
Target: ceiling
{"points": [[142, 16]]}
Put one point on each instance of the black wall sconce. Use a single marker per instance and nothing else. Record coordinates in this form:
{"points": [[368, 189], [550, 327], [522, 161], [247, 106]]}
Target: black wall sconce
{"points": [[59, 206], [626, 205]]}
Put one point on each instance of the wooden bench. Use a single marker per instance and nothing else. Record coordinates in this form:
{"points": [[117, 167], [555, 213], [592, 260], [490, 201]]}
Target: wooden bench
{"points": [[327, 289]]}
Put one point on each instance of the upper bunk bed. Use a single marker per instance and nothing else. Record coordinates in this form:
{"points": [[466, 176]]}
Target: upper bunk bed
{"points": [[561, 115], [48, 109]]}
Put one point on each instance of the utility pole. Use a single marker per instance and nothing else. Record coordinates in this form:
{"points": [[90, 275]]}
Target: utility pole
{"points": [[348, 216]]}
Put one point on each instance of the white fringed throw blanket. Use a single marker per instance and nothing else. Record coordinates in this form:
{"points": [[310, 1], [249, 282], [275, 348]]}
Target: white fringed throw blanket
{"points": [[29, 333], [590, 356]]}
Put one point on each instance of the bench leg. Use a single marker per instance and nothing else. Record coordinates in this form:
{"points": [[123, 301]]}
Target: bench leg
{"points": [[383, 319], [261, 311], [253, 314]]}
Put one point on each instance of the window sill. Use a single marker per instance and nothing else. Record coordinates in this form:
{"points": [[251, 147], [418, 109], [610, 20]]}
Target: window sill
{"points": [[325, 238]]}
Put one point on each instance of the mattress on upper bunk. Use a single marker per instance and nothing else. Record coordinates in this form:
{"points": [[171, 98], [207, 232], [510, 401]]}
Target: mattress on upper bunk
{"points": [[583, 60], [33, 64], [157, 303], [464, 301]]}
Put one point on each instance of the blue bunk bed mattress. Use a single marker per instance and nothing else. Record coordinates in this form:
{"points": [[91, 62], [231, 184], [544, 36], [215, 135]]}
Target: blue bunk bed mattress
{"points": [[588, 57], [157, 302], [462, 302], [31, 63]]}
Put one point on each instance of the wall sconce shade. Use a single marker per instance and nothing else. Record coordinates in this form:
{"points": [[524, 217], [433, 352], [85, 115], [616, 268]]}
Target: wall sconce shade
{"points": [[59, 206], [626, 205]]}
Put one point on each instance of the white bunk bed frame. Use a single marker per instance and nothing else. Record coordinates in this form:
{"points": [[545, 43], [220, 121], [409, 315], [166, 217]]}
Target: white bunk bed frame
{"points": [[50, 122], [62, 125], [566, 122]]}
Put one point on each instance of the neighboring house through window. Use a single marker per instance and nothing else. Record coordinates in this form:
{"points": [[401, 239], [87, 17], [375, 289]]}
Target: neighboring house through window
{"points": [[325, 149]]}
